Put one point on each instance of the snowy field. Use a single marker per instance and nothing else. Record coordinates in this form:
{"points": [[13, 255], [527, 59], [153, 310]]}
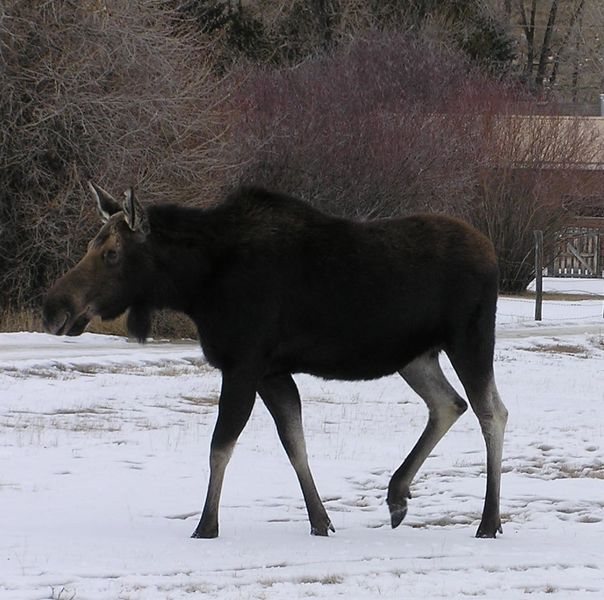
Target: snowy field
{"points": [[103, 470]]}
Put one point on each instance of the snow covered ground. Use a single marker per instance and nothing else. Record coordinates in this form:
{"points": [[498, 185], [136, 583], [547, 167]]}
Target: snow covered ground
{"points": [[103, 469], [561, 285]]}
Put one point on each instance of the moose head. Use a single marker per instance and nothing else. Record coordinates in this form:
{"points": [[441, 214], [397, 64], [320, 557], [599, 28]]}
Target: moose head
{"points": [[113, 275]]}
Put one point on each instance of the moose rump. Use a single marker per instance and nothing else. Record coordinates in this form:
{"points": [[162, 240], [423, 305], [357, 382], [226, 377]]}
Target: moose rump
{"points": [[276, 287]]}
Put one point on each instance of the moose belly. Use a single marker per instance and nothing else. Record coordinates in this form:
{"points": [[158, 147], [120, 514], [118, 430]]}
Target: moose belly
{"points": [[352, 359]]}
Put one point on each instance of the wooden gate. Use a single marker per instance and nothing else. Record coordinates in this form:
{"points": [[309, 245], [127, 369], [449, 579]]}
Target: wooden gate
{"points": [[578, 254]]}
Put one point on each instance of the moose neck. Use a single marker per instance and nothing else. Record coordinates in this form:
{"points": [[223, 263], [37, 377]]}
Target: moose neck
{"points": [[183, 244]]}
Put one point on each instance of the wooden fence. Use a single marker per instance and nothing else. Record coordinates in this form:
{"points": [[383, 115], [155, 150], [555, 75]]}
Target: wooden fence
{"points": [[579, 253]]}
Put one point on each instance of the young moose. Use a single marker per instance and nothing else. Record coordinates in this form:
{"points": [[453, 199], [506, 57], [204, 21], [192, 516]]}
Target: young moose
{"points": [[276, 287]]}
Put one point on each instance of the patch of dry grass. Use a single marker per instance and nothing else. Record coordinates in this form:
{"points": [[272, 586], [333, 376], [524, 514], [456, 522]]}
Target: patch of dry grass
{"points": [[24, 320], [561, 348], [557, 296], [166, 324], [211, 400], [549, 470]]}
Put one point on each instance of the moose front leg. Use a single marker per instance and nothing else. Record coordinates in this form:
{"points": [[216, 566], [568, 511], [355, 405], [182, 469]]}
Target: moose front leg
{"points": [[282, 399], [234, 409]]}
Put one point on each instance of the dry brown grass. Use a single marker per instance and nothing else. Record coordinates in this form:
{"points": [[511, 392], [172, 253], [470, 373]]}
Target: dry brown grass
{"points": [[166, 324], [558, 297], [24, 320], [561, 348]]}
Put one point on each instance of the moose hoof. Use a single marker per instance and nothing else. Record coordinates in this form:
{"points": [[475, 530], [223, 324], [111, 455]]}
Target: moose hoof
{"points": [[488, 531], [397, 513], [398, 509], [205, 533], [323, 530]]}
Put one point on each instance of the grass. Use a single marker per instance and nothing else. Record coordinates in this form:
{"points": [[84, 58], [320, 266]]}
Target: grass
{"points": [[24, 320], [560, 348], [72, 371], [305, 580], [324, 580], [166, 324], [555, 469], [211, 400], [557, 296]]}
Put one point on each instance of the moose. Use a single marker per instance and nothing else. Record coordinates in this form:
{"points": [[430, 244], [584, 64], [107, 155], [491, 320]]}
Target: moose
{"points": [[276, 287]]}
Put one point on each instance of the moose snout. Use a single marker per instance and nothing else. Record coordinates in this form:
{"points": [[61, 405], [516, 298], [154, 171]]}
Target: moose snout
{"points": [[55, 316], [62, 314]]}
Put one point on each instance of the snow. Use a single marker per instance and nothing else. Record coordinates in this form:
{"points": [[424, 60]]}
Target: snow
{"points": [[578, 286], [103, 469]]}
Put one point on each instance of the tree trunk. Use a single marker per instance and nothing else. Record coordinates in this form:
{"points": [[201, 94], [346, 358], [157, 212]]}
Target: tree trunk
{"points": [[578, 12], [324, 12], [575, 80], [545, 48], [529, 32]]}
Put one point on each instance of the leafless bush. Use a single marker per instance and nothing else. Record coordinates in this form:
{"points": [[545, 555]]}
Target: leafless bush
{"points": [[289, 32], [95, 89], [531, 169], [362, 132], [394, 124]]}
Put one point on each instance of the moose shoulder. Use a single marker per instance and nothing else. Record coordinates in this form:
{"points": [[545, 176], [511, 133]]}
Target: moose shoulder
{"points": [[276, 287]]}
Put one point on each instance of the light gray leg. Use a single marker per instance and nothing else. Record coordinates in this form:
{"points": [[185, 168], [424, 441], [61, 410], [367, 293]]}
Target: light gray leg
{"points": [[282, 399], [471, 352], [445, 406], [492, 416], [235, 406]]}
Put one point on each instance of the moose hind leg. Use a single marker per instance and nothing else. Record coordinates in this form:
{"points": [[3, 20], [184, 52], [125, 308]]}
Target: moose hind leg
{"points": [[282, 399], [445, 406], [492, 422], [473, 362], [492, 416]]}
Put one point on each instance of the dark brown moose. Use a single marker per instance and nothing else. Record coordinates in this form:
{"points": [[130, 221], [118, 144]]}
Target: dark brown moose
{"points": [[276, 287]]}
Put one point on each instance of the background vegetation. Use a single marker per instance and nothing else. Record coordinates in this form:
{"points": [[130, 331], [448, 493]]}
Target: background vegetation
{"points": [[364, 108]]}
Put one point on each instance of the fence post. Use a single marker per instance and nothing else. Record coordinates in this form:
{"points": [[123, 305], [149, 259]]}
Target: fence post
{"points": [[538, 273]]}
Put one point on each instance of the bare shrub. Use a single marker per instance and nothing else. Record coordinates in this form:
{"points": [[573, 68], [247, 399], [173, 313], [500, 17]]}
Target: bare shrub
{"points": [[360, 133], [289, 32], [532, 167], [97, 90], [394, 124]]}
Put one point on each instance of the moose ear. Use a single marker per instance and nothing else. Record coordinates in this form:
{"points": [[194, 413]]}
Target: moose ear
{"points": [[105, 202], [134, 214]]}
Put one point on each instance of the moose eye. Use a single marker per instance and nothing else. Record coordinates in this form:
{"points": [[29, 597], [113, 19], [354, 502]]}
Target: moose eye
{"points": [[110, 257]]}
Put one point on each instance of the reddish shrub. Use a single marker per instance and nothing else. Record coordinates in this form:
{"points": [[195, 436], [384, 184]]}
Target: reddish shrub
{"points": [[395, 124], [361, 132]]}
